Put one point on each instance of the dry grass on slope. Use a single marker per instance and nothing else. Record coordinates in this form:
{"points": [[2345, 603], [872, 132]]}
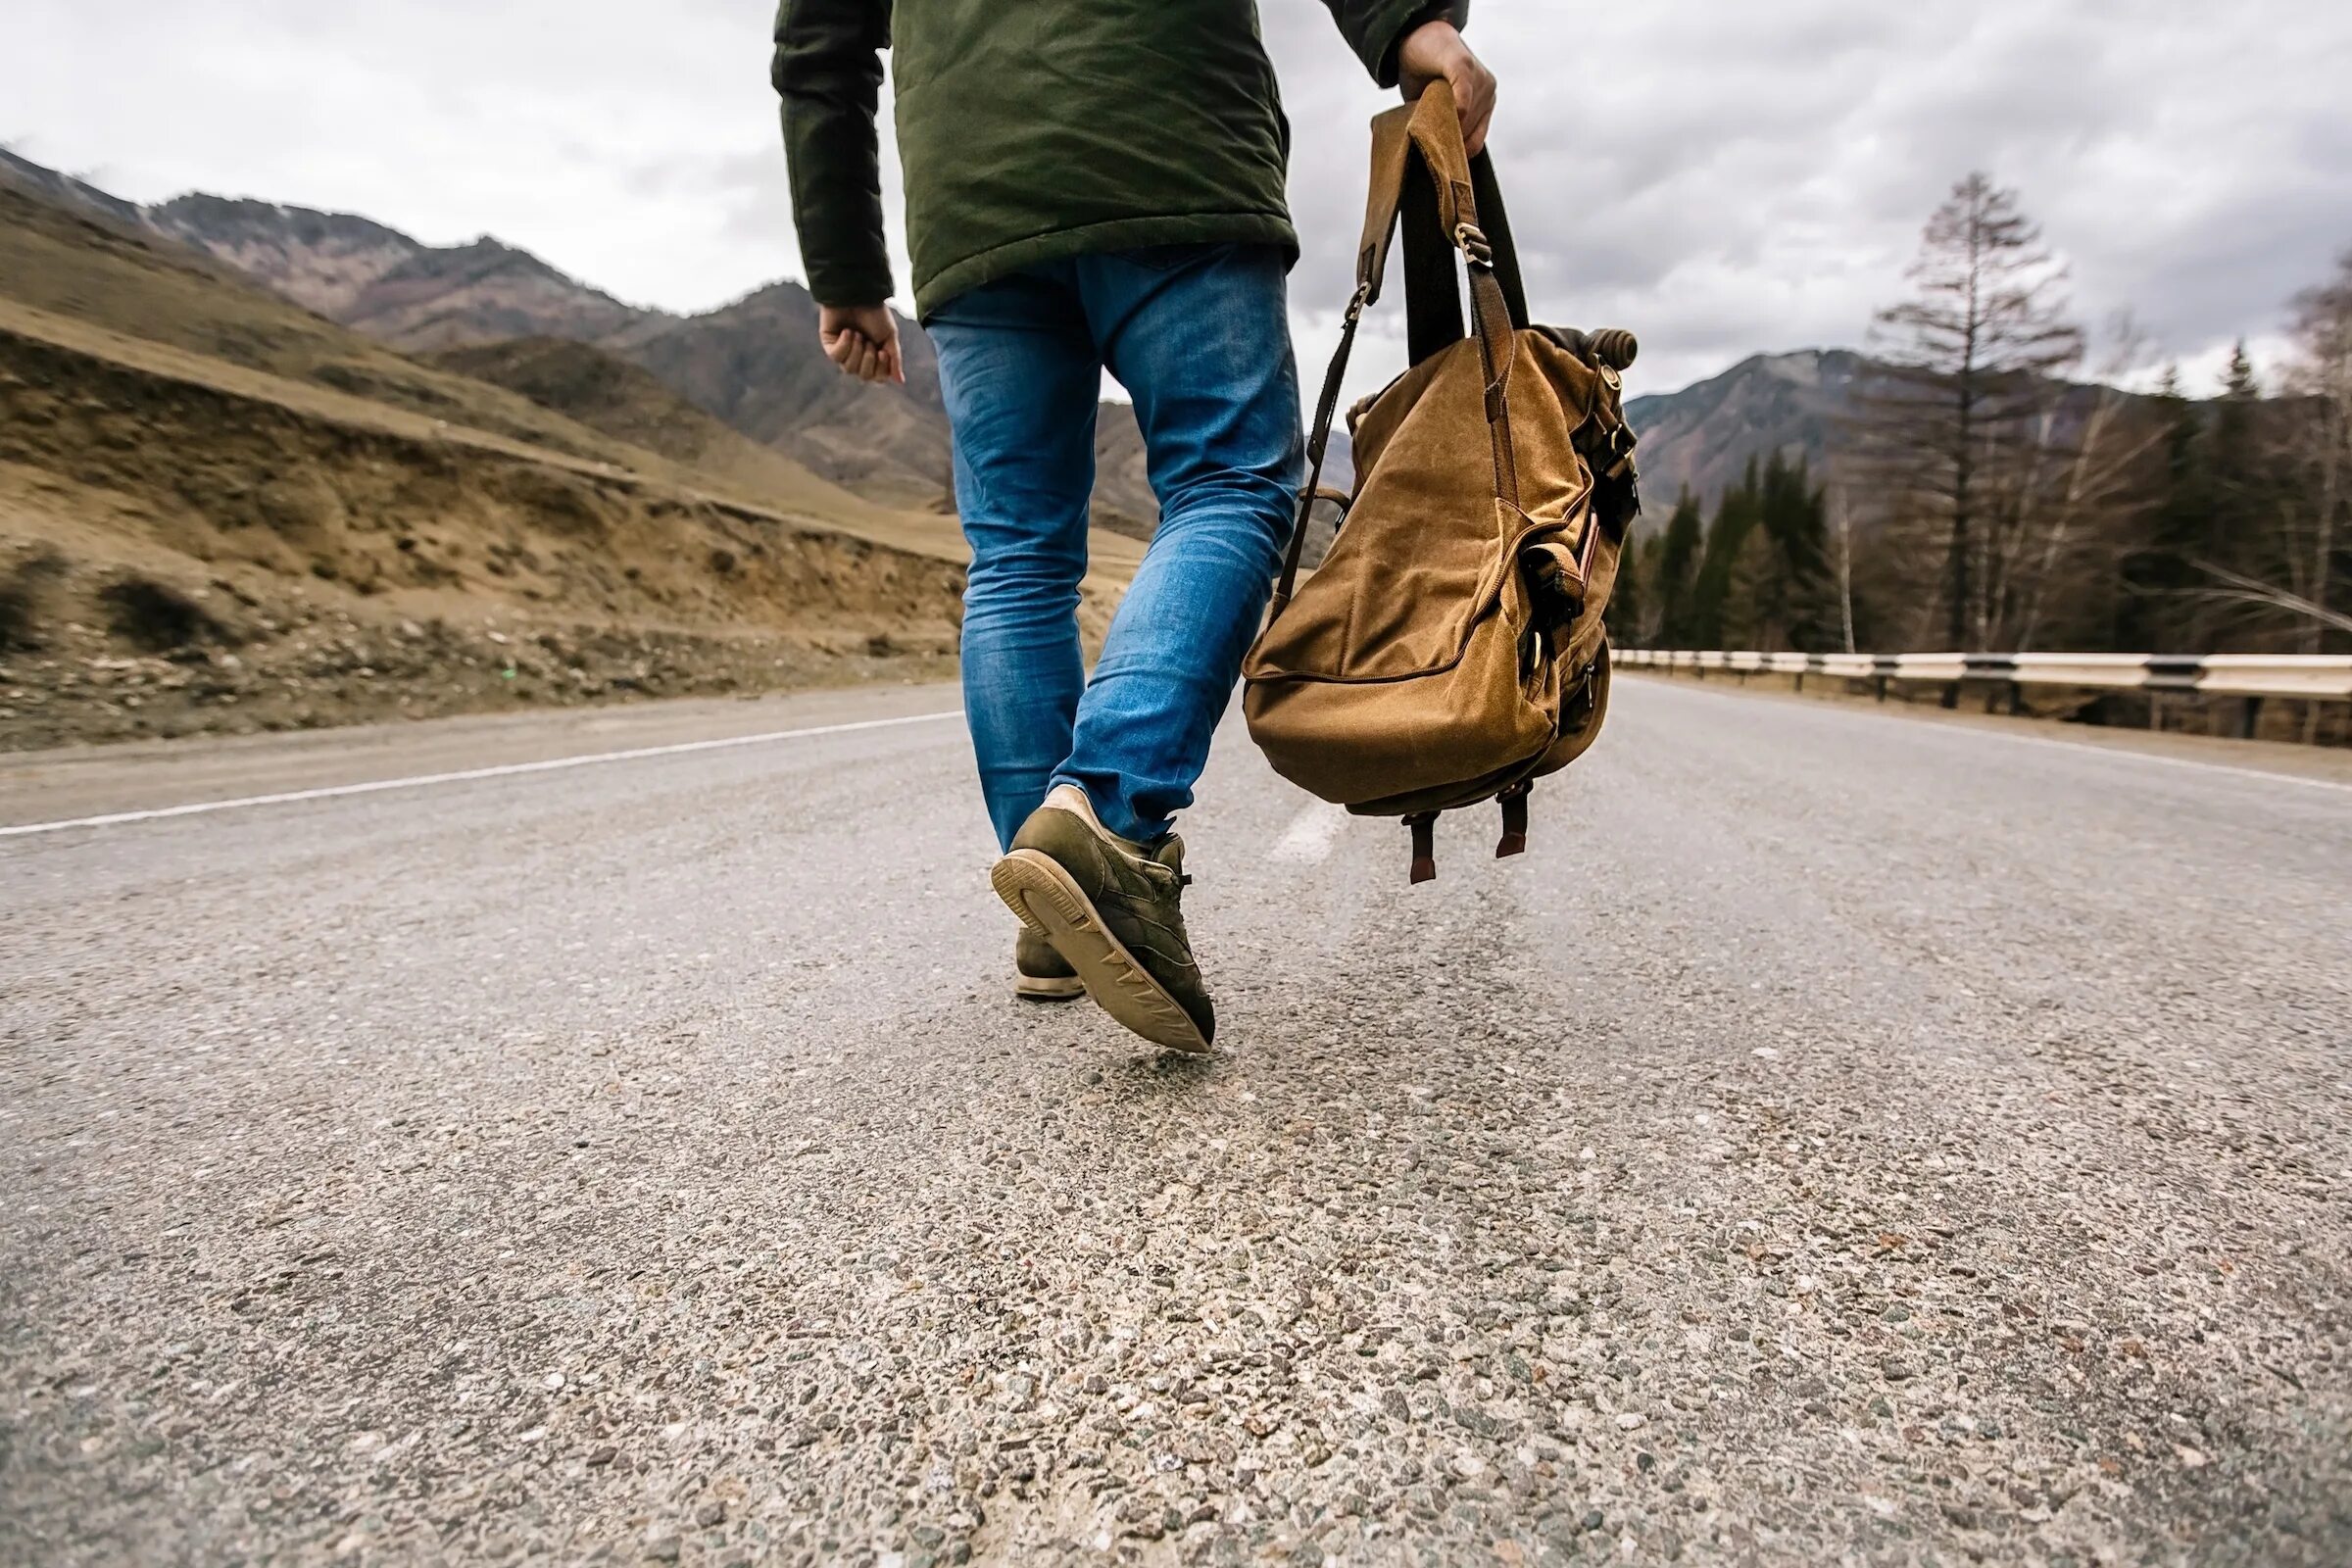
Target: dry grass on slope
{"points": [[182, 550]]}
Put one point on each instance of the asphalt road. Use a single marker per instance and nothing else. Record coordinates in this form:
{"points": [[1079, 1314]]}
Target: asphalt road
{"points": [[1840, 1138]]}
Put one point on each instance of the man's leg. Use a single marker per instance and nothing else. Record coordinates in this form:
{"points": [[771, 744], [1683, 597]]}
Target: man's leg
{"points": [[1018, 368], [1200, 337]]}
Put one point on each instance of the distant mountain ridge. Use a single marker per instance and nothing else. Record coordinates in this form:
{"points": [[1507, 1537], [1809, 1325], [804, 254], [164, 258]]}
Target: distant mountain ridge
{"points": [[1703, 436], [755, 363]]}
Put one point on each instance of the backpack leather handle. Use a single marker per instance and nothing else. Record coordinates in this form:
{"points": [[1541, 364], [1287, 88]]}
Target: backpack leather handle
{"points": [[1428, 130], [1432, 128]]}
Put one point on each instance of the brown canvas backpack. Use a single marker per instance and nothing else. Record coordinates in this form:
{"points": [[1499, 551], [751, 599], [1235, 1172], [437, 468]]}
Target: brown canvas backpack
{"points": [[1449, 648]]}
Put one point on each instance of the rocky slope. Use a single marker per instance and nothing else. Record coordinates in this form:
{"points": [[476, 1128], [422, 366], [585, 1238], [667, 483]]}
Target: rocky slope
{"points": [[219, 510]]}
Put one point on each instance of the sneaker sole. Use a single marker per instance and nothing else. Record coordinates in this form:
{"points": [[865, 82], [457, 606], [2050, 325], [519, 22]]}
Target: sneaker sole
{"points": [[1063, 988], [1050, 902]]}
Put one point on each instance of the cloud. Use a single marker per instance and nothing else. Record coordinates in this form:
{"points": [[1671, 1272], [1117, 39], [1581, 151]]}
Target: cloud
{"points": [[1726, 181], [1721, 179]]}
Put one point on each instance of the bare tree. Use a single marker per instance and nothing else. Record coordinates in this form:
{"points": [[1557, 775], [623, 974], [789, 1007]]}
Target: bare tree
{"points": [[1845, 560], [2081, 506], [2321, 449], [2301, 520], [2306, 516], [1949, 423]]}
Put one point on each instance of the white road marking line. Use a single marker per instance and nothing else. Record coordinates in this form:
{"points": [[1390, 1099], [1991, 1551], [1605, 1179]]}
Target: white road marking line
{"points": [[2181, 762], [1311, 833], [502, 771], [2092, 748]]}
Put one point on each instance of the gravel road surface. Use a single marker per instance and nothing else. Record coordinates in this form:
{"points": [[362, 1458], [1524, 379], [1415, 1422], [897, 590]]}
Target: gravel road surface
{"points": [[1841, 1138]]}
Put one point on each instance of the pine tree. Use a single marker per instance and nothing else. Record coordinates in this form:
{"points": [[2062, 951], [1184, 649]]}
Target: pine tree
{"points": [[1627, 602], [2319, 463], [1797, 609], [1672, 583], [1737, 514], [2154, 613], [1752, 588]]}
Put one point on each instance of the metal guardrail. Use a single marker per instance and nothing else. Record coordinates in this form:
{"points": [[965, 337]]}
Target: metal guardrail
{"points": [[2322, 676]]}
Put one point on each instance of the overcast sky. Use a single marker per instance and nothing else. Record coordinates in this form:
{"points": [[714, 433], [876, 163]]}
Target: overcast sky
{"points": [[1723, 178]]}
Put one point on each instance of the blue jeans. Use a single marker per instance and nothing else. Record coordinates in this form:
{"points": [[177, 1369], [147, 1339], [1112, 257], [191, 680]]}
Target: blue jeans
{"points": [[1199, 336]]}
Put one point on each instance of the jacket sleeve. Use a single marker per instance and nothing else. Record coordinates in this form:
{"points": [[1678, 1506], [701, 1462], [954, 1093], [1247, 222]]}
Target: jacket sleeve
{"points": [[1375, 27], [828, 70]]}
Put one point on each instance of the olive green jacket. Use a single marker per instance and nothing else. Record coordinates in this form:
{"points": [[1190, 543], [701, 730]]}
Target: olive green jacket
{"points": [[1033, 129]]}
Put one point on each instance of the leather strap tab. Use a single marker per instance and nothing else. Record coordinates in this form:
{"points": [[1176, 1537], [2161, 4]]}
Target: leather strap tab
{"points": [[1425, 846], [1514, 823], [1390, 147]]}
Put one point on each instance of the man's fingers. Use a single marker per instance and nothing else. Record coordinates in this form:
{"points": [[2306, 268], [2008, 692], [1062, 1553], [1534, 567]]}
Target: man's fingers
{"points": [[852, 353], [1474, 100], [867, 356], [1474, 133]]}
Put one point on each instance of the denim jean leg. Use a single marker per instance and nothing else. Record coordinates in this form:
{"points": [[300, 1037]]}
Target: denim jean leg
{"points": [[1020, 377], [1200, 337]]}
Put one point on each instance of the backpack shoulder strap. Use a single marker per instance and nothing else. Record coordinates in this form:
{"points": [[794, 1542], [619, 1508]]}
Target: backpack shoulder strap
{"points": [[1433, 305]]}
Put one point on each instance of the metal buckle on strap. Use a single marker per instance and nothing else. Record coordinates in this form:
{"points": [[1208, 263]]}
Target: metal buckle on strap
{"points": [[1472, 242], [1356, 303]]}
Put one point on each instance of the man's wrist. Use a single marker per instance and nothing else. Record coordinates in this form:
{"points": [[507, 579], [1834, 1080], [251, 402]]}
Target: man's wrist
{"points": [[1456, 13]]}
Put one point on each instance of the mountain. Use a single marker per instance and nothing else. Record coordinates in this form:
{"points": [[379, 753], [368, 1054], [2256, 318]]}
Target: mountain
{"points": [[756, 365], [630, 404], [322, 260], [380, 281], [476, 293], [65, 190], [1703, 436]]}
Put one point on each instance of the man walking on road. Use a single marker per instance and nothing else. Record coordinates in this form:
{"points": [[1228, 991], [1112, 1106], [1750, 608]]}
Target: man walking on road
{"points": [[1090, 184]]}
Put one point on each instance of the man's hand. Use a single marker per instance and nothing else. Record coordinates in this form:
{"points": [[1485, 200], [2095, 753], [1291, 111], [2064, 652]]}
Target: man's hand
{"points": [[1435, 52], [862, 339]]}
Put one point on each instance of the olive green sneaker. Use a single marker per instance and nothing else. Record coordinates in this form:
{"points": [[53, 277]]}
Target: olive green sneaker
{"points": [[1040, 975], [1109, 905]]}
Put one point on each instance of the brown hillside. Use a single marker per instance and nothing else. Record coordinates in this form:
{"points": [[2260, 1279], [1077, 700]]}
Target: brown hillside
{"points": [[1123, 499], [219, 510], [754, 364], [182, 549], [629, 404], [64, 264]]}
